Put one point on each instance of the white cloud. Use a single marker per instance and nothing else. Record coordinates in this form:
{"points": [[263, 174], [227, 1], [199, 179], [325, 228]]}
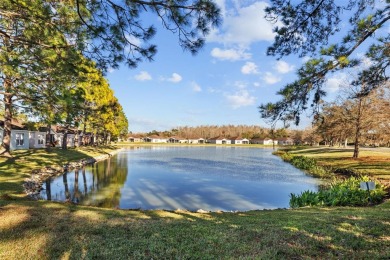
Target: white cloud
{"points": [[334, 83], [175, 78], [283, 67], [133, 40], [143, 76], [256, 84], [240, 84], [195, 87], [270, 78], [249, 68], [240, 99], [230, 54], [244, 25]]}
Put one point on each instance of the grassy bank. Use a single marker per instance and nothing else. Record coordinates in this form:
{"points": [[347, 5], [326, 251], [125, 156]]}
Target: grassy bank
{"points": [[47, 230], [44, 230], [372, 162], [14, 170]]}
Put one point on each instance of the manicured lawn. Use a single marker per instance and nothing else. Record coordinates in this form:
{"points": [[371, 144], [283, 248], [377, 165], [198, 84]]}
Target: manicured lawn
{"points": [[374, 162], [44, 230], [48, 230]]}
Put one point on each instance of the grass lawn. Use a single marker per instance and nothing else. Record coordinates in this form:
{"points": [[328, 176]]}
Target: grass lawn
{"points": [[48, 230], [374, 162]]}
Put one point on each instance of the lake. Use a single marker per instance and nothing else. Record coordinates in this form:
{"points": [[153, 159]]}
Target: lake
{"points": [[165, 177]]}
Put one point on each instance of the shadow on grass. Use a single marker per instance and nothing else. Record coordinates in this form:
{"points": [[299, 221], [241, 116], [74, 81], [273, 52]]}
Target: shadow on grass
{"points": [[55, 231]]}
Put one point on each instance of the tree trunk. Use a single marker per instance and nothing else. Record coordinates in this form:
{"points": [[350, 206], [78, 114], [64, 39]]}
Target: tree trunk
{"points": [[357, 129], [6, 145], [65, 140], [48, 138]]}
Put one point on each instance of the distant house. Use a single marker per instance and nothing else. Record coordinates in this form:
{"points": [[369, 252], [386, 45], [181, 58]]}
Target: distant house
{"points": [[37, 139], [264, 141], [239, 140], [285, 141], [196, 140], [219, 140], [177, 139], [155, 139], [135, 139]]}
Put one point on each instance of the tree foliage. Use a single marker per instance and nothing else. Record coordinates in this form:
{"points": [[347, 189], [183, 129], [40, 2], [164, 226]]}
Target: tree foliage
{"points": [[313, 28], [43, 45]]}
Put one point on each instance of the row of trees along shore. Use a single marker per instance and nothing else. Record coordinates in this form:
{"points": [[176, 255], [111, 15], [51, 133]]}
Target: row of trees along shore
{"points": [[53, 54], [331, 129]]}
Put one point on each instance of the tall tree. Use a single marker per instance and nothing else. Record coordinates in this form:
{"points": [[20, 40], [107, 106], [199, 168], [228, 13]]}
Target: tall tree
{"points": [[355, 116], [106, 31], [313, 28]]}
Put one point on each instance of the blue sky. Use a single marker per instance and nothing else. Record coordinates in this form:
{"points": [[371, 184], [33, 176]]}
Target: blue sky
{"points": [[223, 84]]}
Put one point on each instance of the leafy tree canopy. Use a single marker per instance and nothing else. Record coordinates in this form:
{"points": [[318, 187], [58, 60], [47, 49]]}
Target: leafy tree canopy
{"points": [[308, 28], [109, 32]]}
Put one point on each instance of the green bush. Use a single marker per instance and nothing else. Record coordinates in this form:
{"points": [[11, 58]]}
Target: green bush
{"points": [[340, 193]]}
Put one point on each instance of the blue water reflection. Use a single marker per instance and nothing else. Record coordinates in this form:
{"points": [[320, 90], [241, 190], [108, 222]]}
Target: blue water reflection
{"points": [[209, 178]]}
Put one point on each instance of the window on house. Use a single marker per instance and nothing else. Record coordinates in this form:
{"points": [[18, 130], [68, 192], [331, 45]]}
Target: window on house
{"points": [[40, 139], [19, 139]]}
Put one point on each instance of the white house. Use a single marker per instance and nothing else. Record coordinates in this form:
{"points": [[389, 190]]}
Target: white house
{"points": [[285, 141], [155, 139], [239, 140], [19, 139], [196, 140], [176, 139], [265, 141], [219, 140], [135, 139], [37, 139]]}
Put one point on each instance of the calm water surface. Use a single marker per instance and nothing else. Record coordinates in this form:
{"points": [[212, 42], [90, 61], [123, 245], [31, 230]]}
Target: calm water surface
{"points": [[209, 178]]}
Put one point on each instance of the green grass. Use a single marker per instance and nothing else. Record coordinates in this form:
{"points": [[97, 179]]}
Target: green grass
{"points": [[45, 230], [373, 162], [48, 230]]}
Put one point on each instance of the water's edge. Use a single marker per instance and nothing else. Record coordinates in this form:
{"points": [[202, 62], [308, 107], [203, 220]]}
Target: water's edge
{"points": [[33, 185]]}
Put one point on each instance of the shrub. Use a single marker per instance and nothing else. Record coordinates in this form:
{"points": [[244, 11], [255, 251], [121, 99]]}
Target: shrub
{"points": [[340, 193]]}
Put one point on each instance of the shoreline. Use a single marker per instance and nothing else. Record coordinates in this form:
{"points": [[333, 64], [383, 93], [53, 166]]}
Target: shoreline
{"points": [[33, 185]]}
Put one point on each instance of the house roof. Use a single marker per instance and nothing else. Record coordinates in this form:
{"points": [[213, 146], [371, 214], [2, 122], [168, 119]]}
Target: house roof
{"points": [[177, 138], [262, 139], [14, 123], [238, 138], [218, 138], [156, 137]]}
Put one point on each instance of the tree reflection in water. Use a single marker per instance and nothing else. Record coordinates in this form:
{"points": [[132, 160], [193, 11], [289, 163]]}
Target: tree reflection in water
{"points": [[98, 185]]}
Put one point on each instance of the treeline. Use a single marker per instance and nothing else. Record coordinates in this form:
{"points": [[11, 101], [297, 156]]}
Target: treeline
{"points": [[304, 136], [357, 119]]}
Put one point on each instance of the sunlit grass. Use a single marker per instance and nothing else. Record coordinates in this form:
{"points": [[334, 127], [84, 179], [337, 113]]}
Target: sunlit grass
{"points": [[371, 162], [49, 230]]}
